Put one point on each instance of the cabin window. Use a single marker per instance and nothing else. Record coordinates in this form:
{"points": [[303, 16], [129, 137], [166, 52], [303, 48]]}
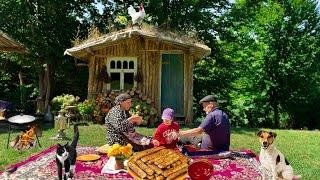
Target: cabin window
{"points": [[125, 65], [122, 71], [112, 64], [131, 65], [115, 80], [119, 64]]}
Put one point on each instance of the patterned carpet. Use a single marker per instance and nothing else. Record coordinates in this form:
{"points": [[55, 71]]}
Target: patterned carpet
{"points": [[43, 166]]}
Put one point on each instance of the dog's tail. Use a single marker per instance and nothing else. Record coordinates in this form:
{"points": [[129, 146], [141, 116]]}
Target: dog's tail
{"points": [[296, 177]]}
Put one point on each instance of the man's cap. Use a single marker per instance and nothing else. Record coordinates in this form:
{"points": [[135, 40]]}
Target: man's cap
{"points": [[168, 113], [122, 97], [209, 98]]}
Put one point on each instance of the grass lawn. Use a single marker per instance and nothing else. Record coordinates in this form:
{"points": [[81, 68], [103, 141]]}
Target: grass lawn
{"points": [[301, 148]]}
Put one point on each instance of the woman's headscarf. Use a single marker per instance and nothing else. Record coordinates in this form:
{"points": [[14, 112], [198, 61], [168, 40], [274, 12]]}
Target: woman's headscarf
{"points": [[121, 98]]}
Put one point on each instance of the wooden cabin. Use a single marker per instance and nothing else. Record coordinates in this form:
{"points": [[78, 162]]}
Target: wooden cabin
{"points": [[160, 64]]}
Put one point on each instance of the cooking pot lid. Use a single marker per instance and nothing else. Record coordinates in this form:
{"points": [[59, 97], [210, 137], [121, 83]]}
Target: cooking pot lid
{"points": [[21, 119]]}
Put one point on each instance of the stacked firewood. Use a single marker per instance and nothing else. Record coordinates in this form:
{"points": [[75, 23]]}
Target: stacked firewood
{"points": [[141, 105], [137, 95]]}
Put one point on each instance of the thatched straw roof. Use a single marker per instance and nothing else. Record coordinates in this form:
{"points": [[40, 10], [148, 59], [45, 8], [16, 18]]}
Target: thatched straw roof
{"points": [[81, 51], [7, 44]]}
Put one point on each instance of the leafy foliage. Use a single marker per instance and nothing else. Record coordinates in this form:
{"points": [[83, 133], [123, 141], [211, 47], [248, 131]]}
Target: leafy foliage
{"points": [[46, 29], [274, 47], [86, 107], [60, 103], [21, 95], [146, 111]]}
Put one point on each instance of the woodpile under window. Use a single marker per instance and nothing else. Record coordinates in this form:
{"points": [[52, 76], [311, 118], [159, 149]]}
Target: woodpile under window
{"points": [[141, 104]]}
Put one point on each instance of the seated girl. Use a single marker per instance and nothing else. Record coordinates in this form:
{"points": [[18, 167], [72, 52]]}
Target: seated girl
{"points": [[167, 132]]}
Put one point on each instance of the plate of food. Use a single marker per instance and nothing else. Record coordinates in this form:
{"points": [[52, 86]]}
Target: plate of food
{"points": [[88, 157], [158, 162]]}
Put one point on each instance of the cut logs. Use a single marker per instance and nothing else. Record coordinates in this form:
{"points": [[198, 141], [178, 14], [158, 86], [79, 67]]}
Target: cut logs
{"points": [[141, 105]]}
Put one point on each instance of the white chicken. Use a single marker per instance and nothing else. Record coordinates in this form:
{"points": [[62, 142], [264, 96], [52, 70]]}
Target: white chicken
{"points": [[136, 17]]}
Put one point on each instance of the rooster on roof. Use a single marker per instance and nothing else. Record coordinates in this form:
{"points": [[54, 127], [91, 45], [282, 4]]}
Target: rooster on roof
{"points": [[136, 17]]}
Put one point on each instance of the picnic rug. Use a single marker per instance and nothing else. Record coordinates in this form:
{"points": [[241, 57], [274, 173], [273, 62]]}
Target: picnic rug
{"points": [[43, 166]]}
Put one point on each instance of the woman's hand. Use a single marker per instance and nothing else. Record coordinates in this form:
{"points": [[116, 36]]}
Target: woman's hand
{"points": [[136, 119]]}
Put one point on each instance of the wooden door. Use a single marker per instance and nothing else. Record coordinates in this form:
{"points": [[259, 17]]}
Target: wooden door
{"points": [[172, 83]]}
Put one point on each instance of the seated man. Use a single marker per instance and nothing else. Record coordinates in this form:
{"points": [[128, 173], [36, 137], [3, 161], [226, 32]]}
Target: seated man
{"points": [[214, 130]]}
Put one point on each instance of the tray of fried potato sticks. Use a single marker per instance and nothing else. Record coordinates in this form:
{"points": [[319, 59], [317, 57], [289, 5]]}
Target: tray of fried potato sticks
{"points": [[158, 163]]}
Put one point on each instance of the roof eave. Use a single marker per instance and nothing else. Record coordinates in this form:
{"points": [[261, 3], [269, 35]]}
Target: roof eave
{"points": [[7, 44], [105, 40]]}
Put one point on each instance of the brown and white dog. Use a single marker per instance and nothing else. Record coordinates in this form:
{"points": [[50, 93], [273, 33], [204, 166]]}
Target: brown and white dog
{"points": [[272, 159]]}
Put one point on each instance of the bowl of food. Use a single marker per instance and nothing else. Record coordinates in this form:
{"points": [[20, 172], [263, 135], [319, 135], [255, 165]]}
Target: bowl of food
{"points": [[200, 170]]}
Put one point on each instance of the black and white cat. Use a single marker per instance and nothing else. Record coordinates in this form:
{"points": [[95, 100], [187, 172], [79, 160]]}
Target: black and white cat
{"points": [[66, 157]]}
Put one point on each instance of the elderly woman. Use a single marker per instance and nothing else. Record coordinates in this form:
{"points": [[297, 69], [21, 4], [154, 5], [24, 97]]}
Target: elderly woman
{"points": [[117, 120]]}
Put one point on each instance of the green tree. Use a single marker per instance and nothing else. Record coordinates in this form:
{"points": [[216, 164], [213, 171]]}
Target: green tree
{"points": [[46, 29], [274, 47], [293, 62]]}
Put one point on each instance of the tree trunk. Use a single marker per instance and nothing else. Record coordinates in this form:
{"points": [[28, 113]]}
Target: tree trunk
{"points": [[22, 90], [40, 99], [45, 83], [274, 102], [48, 80], [276, 116], [21, 82]]}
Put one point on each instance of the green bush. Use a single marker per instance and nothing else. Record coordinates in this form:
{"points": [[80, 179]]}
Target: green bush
{"points": [[86, 107], [59, 103], [147, 111]]}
